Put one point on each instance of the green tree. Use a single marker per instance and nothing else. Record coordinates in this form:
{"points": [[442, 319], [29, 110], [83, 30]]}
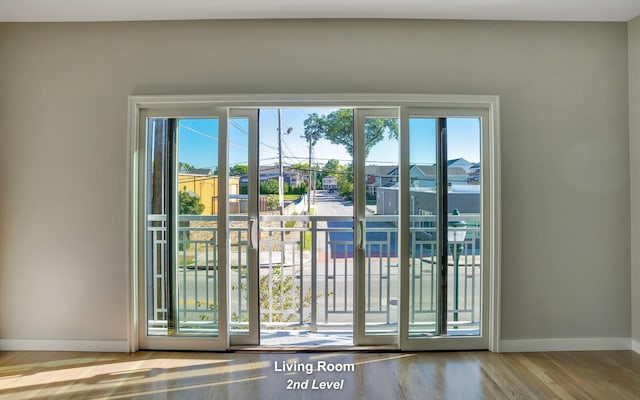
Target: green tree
{"points": [[314, 128], [302, 167], [269, 187], [273, 202], [345, 181], [238, 170], [331, 167], [300, 189], [337, 127], [186, 166], [189, 204]]}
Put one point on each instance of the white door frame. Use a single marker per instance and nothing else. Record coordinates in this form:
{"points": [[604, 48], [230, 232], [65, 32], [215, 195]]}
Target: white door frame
{"points": [[490, 175], [488, 321], [253, 301], [139, 276], [360, 336]]}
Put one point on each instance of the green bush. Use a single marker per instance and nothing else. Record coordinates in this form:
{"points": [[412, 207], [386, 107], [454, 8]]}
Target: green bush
{"points": [[279, 297], [269, 187], [290, 224], [273, 203]]}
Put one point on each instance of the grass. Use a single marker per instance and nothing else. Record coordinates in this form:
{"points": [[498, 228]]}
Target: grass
{"points": [[190, 260], [306, 241]]}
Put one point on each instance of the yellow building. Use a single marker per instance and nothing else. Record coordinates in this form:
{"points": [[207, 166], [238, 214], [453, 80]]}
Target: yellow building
{"points": [[206, 187]]}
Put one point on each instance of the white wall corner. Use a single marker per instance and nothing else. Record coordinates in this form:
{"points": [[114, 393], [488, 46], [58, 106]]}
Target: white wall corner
{"points": [[576, 344], [635, 346], [111, 346]]}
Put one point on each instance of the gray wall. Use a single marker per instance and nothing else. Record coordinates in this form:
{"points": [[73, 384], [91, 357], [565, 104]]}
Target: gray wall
{"points": [[634, 147], [63, 141]]}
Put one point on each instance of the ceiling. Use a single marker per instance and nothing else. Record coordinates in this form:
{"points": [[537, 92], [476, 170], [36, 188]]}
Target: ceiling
{"points": [[128, 10]]}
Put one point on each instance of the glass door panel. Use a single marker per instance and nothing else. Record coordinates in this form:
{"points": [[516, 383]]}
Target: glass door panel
{"points": [[243, 254], [463, 227], [183, 304], [306, 252], [423, 209], [377, 216], [442, 193], [199, 202]]}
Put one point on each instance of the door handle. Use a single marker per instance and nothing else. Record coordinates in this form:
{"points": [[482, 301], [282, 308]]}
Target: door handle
{"points": [[361, 234], [253, 234]]}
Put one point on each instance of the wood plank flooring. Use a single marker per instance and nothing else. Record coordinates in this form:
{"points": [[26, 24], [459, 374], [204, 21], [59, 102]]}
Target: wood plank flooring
{"points": [[598, 375]]}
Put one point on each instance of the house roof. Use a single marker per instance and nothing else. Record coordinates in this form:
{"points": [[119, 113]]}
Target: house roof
{"points": [[380, 170], [274, 169], [430, 170], [458, 161], [195, 171]]}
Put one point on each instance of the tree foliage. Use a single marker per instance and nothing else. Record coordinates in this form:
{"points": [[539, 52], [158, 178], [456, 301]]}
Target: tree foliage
{"points": [[269, 187], [345, 181], [186, 166], [273, 202], [238, 170], [338, 128], [314, 128], [332, 167], [189, 204], [342, 173]]}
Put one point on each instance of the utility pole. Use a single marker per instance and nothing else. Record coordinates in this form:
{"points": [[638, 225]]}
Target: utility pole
{"points": [[281, 183], [280, 164], [309, 187], [281, 174], [315, 181]]}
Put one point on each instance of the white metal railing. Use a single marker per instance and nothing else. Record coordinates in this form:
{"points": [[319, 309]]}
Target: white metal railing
{"points": [[307, 271]]}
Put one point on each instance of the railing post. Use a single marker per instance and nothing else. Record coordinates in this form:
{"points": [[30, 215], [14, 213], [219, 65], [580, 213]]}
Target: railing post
{"points": [[314, 274]]}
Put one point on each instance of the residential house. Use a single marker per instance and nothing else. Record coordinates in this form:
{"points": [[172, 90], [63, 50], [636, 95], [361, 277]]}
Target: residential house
{"points": [[204, 184], [461, 163], [380, 176], [425, 176], [329, 183], [291, 176]]}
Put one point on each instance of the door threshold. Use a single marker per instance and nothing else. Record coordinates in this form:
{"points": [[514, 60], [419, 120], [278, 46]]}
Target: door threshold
{"points": [[313, 349]]}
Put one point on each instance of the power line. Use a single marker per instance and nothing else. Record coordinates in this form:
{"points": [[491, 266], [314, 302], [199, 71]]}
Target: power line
{"points": [[241, 129], [201, 133]]}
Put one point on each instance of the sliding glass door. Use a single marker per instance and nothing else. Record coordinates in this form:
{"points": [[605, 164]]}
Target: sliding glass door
{"points": [[376, 205], [443, 281], [374, 222], [242, 171], [185, 233]]}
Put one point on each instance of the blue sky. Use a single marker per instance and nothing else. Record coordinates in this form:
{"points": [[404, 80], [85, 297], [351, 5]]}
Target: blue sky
{"points": [[198, 141]]}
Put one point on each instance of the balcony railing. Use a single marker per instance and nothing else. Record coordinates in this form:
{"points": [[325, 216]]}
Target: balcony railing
{"points": [[307, 272]]}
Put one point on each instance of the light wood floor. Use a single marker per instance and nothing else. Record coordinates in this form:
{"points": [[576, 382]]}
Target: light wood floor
{"points": [[251, 375]]}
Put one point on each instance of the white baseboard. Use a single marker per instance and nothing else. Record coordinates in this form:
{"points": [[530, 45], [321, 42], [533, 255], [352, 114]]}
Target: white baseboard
{"points": [[506, 346], [112, 346], [577, 344]]}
